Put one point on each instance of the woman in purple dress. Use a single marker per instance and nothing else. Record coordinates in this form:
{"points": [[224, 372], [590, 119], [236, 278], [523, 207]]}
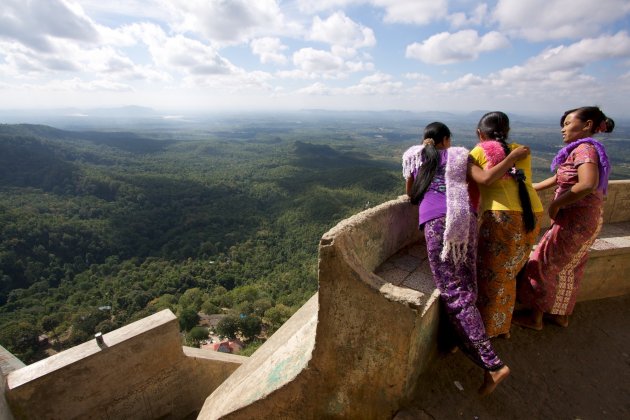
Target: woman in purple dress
{"points": [[436, 179]]}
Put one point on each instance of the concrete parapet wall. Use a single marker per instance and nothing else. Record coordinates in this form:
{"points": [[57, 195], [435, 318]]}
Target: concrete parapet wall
{"points": [[140, 371], [370, 339], [616, 204], [609, 257]]}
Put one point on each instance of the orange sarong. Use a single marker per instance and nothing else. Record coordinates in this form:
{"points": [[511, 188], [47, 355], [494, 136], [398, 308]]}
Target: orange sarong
{"points": [[503, 250]]}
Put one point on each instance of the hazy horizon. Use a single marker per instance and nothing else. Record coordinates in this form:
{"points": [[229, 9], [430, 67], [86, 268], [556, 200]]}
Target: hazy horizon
{"points": [[235, 56]]}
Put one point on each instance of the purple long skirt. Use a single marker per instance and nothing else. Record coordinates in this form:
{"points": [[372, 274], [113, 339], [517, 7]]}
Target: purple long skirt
{"points": [[458, 290]]}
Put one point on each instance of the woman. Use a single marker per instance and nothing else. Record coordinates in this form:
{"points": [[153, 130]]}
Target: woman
{"points": [[435, 176], [552, 276], [510, 210]]}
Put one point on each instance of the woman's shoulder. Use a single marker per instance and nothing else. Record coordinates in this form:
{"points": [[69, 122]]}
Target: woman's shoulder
{"points": [[584, 152], [586, 146]]}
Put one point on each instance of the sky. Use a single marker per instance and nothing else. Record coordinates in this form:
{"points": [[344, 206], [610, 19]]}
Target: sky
{"points": [[526, 56]]}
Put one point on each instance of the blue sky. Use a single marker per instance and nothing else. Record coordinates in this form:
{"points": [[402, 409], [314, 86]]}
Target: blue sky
{"points": [[526, 56]]}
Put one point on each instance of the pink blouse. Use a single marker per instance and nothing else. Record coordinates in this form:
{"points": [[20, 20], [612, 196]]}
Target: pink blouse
{"points": [[567, 176]]}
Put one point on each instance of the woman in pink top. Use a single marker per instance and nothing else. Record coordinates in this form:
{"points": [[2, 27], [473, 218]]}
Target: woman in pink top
{"points": [[551, 278]]}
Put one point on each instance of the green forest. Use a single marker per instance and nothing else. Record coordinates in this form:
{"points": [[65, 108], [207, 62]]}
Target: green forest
{"points": [[102, 228]]}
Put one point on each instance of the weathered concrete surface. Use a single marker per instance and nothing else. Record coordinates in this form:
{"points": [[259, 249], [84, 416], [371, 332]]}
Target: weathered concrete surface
{"points": [[140, 371], [370, 338], [8, 363], [279, 364]]}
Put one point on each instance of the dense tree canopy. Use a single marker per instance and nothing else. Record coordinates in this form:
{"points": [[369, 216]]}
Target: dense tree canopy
{"points": [[101, 229]]}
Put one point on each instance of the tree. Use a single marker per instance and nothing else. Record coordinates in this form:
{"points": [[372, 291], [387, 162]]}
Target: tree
{"points": [[20, 338], [197, 334], [250, 326], [188, 318], [277, 316], [228, 326], [192, 298]]}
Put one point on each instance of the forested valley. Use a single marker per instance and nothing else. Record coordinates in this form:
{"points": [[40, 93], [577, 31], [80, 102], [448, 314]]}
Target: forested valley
{"points": [[99, 228]]}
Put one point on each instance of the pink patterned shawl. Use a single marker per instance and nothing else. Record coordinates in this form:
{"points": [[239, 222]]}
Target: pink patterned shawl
{"points": [[494, 153]]}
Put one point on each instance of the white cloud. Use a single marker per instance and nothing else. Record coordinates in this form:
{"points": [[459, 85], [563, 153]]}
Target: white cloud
{"points": [[231, 22], [417, 76], [179, 53], [376, 84], [310, 6], [317, 61], [312, 63], [30, 23], [572, 58], [231, 84], [477, 17], [419, 12], [269, 50], [540, 20], [556, 75], [448, 48], [339, 29], [316, 89]]}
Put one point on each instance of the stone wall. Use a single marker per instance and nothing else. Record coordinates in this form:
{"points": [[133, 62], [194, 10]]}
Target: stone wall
{"points": [[368, 340], [139, 371]]}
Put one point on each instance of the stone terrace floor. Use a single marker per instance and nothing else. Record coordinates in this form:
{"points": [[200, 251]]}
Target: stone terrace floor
{"points": [[579, 372]]}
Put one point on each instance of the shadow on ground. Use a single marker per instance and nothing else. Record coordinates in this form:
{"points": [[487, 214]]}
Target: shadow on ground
{"points": [[581, 372]]}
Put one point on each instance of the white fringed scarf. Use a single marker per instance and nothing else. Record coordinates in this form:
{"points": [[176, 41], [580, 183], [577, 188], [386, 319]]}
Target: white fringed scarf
{"points": [[458, 214]]}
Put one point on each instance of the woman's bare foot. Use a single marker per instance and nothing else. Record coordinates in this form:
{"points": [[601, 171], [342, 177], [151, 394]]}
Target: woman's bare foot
{"points": [[561, 320], [532, 320], [491, 379]]}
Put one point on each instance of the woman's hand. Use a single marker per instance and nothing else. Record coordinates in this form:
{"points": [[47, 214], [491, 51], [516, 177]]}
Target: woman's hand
{"points": [[519, 153], [553, 210]]}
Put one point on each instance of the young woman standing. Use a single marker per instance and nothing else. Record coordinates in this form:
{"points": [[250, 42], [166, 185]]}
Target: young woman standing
{"points": [[551, 280], [510, 210], [436, 179]]}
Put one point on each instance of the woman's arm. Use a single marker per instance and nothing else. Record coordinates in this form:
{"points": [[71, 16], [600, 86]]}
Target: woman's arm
{"points": [[488, 177], [588, 179], [409, 185], [543, 185]]}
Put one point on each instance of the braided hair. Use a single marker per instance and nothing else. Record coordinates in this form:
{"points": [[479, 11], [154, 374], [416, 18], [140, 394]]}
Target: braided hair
{"points": [[496, 126], [436, 131]]}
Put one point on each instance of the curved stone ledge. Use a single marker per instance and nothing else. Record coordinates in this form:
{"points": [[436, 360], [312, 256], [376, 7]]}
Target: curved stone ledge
{"points": [[370, 338], [377, 320]]}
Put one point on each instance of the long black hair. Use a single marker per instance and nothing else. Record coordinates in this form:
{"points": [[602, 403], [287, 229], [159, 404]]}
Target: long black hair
{"points": [[496, 126], [430, 159]]}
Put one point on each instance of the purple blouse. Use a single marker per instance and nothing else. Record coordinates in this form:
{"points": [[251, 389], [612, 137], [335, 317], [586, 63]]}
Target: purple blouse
{"points": [[433, 204]]}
